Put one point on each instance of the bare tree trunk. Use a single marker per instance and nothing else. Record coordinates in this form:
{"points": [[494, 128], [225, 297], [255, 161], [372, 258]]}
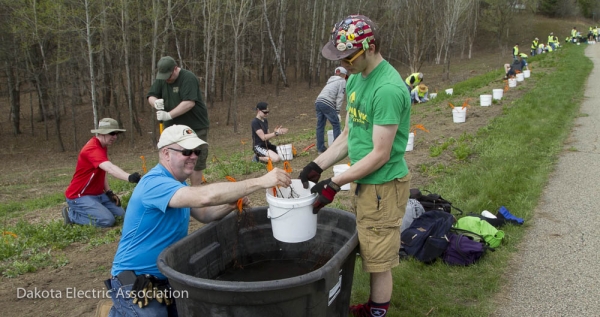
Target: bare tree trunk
{"points": [[262, 52], [311, 61], [323, 27], [275, 49], [14, 95], [170, 16], [124, 28], [57, 90], [88, 40], [239, 17], [165, 38]]}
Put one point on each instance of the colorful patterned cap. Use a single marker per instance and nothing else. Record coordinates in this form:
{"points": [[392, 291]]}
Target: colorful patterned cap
{"points": [[353, 33]]}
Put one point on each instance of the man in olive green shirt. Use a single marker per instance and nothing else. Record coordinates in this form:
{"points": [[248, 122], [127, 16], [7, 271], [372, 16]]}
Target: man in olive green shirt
{"points": [[176, 95]]}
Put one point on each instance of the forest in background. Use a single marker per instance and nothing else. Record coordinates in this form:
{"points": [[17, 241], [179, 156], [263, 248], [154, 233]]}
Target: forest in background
{"points": [[102, 54]]}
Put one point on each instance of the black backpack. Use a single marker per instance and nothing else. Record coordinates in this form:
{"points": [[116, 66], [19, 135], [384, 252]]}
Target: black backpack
{"points": [[432, 201], [426, 238]]}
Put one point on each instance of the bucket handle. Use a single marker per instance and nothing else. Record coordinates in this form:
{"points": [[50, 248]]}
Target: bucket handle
{"points": [[271, 217]]}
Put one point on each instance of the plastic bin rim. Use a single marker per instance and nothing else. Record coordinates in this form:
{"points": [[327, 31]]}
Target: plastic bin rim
{"points": [[229, 286]]}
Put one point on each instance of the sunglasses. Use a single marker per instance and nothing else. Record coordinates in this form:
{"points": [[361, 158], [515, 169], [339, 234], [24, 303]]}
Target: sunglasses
{"points": [[265, 111], [186, 152], [114, 133], [353, 58]]}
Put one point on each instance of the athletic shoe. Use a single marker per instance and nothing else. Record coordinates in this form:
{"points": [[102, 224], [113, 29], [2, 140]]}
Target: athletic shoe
{"points": [[361, 310], [65, 214], [255, 159], [510, 217]]}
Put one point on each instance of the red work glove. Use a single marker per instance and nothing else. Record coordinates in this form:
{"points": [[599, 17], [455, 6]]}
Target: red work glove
{"points": [[326, 190], [311, 172]]}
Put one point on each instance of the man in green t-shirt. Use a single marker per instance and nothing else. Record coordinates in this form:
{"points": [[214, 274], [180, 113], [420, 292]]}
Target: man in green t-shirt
{"points": [[176, 95], [374, 138]]}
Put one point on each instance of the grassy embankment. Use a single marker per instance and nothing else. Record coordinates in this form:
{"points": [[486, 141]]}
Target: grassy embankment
{"points": [[512, 159]]}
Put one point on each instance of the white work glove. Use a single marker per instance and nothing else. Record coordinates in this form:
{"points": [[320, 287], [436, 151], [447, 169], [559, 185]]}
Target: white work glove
{"points": [[159, 104], [163, 116], [339, 118]]}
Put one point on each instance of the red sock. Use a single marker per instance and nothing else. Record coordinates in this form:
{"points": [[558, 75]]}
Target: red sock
{"points": [[378, 309]]}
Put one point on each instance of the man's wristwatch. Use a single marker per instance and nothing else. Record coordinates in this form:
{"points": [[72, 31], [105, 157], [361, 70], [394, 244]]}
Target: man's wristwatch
{"points": [[276, 134]]}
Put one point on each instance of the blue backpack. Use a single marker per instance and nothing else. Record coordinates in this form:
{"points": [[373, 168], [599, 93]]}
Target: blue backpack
{"points": [[426, 238]]}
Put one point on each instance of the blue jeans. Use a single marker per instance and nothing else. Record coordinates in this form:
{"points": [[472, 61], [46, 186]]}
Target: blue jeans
{"points": [[324, 113], [123, 305], [98, 211]]}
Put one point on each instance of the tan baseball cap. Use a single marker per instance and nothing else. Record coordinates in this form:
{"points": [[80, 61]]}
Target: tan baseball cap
{"points": [[182, 135]]}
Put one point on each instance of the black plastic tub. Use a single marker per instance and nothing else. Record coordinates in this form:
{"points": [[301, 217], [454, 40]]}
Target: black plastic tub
{"points": [[197, 264]]}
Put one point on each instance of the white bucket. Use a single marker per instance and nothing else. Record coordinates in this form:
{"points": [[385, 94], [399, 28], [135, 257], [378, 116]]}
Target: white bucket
{"points": [[527, 73], [520, 77], [329, 137], [411, 142], [449, 91], [339, 169], [497, 93], [512, 82], [459, 114], [485, 100], [292, 219], [285, 152], [432, 95]]}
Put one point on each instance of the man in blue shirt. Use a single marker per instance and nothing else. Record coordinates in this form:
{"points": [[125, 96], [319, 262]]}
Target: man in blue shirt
{"points": [[158, 215]]}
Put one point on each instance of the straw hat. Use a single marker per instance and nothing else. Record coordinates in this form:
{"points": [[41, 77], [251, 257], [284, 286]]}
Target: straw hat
{"points": [[422, 88]]}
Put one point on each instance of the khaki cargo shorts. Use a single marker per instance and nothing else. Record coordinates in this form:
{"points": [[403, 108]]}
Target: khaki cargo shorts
{"points": [[201, 161], [379, 210]]}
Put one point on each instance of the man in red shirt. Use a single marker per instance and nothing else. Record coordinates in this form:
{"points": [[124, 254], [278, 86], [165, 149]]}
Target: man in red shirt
{"points": [[89, 198]]}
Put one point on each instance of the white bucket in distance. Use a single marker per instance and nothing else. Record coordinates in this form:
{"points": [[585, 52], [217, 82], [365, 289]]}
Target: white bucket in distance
{"points": [[485, 100], [497, 93], [432, 95], [520, 77], [512, 82], [527, 73], [411, 142], [449, 91], [459, 114], [329, 137], [292, 219], [285, 152], [339, 169]]}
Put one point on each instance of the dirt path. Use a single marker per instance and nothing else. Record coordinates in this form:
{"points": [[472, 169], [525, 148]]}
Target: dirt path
{"points": [[556, 270]]}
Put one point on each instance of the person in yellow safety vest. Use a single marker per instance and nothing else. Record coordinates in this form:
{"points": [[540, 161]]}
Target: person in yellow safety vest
{"points": [[549, 48], [551, 40], [419, 94], [413, 80], [534, 46], [590, 35], [540, 49], [595, 31], [574, 34], [515, 51]]}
